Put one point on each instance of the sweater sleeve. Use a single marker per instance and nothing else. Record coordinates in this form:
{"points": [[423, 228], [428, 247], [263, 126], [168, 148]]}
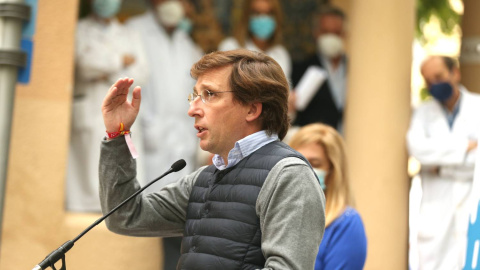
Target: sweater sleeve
{"points": [[161, 213], [344, 245], [291, 208]]}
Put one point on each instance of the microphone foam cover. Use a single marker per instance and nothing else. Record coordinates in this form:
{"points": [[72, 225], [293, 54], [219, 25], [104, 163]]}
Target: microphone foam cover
{"points": [[178, 165]]}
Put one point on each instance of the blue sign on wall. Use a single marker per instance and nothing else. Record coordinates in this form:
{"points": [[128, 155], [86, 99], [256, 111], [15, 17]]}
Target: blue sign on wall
{"points": [[24, 72], [472, 260], [28, 31]]}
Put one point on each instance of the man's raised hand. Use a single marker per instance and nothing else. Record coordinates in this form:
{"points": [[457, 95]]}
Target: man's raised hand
{"points": [[117, 109]]}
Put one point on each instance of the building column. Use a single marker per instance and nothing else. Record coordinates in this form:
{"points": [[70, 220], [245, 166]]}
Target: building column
{"points": [[470, 51], [377, 118]]}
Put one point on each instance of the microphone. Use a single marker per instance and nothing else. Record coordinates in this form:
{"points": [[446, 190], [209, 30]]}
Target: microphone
{"points": [[59, 253], [178, 165]]}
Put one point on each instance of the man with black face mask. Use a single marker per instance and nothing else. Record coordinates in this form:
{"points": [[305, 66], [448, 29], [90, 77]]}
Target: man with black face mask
{"points": [[443, 137]]}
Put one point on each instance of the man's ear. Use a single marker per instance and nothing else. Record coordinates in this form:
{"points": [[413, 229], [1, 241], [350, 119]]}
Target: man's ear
{"points": [[254, 112]]}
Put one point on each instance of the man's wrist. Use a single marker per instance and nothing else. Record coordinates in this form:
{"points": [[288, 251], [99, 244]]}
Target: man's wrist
{"points": [[113, 135], [121, 131]]}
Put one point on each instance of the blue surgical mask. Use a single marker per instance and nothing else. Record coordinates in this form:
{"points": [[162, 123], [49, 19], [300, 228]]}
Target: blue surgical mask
{"points": [[441, 91], [262, 26], [106, 8], [186, 25], [321, 177]]}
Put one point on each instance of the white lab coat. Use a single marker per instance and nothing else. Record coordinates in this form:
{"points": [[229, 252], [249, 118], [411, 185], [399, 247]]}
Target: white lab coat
{"points": [[98, 64], [277, 52], [446, 195], [168, 131]]}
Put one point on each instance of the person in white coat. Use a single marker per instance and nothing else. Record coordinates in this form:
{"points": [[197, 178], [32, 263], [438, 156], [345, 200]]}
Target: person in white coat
{"points": [[260, 29], [165, 125], [105, 50], [170, 54], [443, 137]]}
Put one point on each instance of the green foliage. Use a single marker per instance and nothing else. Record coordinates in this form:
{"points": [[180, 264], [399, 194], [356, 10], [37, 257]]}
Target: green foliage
{"points": [[441, 9]]}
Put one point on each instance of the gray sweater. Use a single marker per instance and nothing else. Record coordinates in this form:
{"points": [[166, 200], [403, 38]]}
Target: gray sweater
{"points": [[291, 212]]}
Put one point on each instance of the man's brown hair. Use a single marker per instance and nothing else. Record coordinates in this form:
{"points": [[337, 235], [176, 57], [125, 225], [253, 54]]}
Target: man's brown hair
{"points": [[255, 77]]}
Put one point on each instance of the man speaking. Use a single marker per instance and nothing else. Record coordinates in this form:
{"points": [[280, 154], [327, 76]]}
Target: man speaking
{"points": [[259, 206]]}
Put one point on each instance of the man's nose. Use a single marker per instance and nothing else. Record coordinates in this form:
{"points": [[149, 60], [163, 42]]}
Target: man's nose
{"points": [[194, 109]]}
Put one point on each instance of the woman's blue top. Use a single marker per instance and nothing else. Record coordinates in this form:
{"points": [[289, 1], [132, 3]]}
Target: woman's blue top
{"points": [[344, 243]]}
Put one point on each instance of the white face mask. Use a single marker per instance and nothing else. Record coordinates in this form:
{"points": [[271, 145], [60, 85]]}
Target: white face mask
{"points": [[170, 13], [330, 45]]}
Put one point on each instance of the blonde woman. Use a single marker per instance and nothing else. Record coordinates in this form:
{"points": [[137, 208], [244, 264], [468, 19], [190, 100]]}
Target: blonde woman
{"points": [[344, 244]]}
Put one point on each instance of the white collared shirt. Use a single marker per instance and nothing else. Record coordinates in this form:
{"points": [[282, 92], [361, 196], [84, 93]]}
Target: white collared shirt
{"points": [[243, 148]]}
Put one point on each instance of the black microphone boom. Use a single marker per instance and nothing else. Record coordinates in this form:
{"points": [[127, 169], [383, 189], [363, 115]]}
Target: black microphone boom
{"points": [[59, 253]]}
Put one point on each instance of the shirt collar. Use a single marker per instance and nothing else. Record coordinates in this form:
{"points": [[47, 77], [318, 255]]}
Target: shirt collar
{"points": [[451, 116], [243, 148]]}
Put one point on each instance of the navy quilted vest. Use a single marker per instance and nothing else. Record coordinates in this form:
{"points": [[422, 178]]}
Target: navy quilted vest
{"points": [[222, 230]]}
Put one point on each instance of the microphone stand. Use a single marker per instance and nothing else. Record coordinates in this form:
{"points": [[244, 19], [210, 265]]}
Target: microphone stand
{"points": [[59, 253]]}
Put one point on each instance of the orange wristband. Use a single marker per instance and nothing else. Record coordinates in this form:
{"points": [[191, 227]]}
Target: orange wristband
{"points": [[120, 132]]}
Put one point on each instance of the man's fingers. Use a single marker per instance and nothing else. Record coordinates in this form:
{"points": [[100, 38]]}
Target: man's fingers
{"points": [[120, 95], [124, 86], [137, 98], [108, 100], [113, 99], [119, 83]]}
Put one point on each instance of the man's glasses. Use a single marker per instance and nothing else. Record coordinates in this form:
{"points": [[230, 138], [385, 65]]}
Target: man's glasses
{"points": [[206, 97]]}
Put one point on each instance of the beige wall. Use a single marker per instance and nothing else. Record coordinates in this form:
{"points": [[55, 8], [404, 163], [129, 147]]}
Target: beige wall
{"points": [[470, 29], [35, 222], [377, 118]]}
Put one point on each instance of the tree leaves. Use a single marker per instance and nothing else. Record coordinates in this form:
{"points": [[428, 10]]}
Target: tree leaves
{"points": [[442, 10]]}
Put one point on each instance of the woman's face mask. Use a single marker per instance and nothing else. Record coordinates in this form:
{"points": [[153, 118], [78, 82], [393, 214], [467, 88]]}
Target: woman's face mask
{"points": [[170, 13], [186, 25], [262, 26], [321, 174], [330, 45], [106, 8], [441, 91]]}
